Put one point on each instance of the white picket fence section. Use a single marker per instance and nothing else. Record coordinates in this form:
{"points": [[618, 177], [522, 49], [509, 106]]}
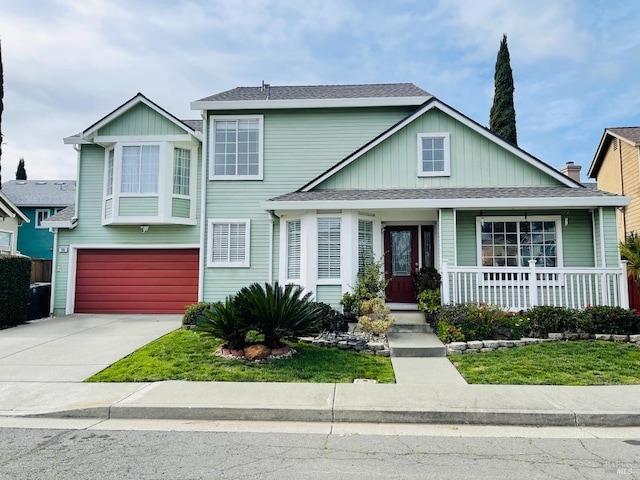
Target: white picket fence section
{"points": [[520, 288]]}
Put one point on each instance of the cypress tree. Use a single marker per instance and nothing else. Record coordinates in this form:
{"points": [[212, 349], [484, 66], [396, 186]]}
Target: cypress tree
{"points": [[502, 120], [21, 172]]}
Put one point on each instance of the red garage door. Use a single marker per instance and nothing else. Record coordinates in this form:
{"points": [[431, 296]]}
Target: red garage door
{"points": [[136, 281]]}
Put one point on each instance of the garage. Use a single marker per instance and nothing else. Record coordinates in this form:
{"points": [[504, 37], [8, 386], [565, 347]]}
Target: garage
{"points": [[136, 281]]}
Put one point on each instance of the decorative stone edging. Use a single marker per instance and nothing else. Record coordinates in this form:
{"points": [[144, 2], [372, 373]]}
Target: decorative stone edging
{"points": [[478, 346], [351, 342]]}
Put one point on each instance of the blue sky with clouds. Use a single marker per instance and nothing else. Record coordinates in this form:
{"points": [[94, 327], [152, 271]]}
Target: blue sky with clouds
{"points": [[67, 63]]}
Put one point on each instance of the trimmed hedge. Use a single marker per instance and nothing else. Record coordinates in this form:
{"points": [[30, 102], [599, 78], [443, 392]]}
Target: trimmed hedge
{"points": [[15, 278]]}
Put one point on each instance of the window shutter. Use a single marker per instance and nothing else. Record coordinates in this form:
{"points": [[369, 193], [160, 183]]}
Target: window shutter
{"points": [[365, 244], [293, 250], [328, 248]]}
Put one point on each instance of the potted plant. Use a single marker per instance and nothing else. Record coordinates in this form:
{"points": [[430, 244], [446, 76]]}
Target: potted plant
{"points": [[349, 305], [427, 278], [429, 302]]}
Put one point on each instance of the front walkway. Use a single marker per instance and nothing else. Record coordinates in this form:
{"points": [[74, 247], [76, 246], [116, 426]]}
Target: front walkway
{"points": [[417, 354]]}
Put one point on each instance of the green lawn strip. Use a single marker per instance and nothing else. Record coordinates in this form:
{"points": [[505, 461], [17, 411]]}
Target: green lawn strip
{"points": [[586, 362], [187, 355]]}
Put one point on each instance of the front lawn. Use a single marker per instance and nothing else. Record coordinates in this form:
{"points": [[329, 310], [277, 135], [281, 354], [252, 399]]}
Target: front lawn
{"points": [[586, 362], [187, 355]]}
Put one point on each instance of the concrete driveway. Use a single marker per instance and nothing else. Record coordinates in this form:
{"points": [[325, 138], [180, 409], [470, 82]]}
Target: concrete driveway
{"points": [[74, 347]]}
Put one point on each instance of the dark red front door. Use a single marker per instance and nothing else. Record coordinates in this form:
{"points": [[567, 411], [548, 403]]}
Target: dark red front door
{"points": [[400, 262]]}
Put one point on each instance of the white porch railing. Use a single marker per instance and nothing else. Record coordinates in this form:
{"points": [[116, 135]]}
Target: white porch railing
{"points": [[520, 288]]}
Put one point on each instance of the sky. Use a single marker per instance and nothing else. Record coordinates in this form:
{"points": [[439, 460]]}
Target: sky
{"points": [[68, 63]]}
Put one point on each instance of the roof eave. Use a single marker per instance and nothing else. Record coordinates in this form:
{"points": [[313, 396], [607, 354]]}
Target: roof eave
{"points": [[430, 203], [66, 224], [308, 103]]}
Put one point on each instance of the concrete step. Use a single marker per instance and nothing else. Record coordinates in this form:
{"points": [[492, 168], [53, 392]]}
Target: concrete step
{"points": [[410, 328], [415, 345]]}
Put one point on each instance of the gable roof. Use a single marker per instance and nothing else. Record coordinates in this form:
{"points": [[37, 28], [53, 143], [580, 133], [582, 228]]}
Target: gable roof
{"points": [[313, 96], [194, 127], [8, 209], [63, 219], [630, 135], [482, 197], [41, 193], [430, 104]]}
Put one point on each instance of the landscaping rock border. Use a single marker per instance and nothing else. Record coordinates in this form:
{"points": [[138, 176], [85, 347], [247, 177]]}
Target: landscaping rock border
{"points": [[349, 341], [477, 346]]}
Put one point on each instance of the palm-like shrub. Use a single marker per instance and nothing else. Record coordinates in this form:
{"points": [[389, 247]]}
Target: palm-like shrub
{"points": [[226, 322], [279, 312], [630, 251]]}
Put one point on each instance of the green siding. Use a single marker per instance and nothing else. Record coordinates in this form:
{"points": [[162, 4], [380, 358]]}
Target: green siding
{"points": [[447, 236], [141, 120], [331, 294], [612, 252], [298, 146], [138, 206], [475, 161], [577, 236], [180, 207]]}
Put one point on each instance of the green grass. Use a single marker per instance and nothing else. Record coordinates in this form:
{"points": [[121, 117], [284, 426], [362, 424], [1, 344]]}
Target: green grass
{"points": [[586, 362], [187, 355]]}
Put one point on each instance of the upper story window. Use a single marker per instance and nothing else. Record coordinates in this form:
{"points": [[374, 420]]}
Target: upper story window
{"points": [[41, 215], [236, 147], [433, 155], [140, 169], [110, 172], [512, 242], [181, 171]]}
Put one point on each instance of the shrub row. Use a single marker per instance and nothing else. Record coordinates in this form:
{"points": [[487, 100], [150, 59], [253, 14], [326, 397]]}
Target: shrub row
{"points": [[15, 277], [465, 322]]}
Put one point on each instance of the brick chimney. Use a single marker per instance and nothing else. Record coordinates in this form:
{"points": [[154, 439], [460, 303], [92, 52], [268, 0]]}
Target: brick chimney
{"points": [[572, 171]]}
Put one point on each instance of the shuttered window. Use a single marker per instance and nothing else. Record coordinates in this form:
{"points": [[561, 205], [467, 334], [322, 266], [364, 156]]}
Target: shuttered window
{"points": [[328, 248], [228, 243], [293, 250], [365, 244]]}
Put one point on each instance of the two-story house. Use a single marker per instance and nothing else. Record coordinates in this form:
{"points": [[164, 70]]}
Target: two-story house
{"points": [[308, 184], [616, 167]]}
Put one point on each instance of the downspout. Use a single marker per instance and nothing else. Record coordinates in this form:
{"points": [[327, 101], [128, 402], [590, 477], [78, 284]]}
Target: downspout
{"points": [[203, 204], [603, 257], [624, 216], [54, 269]]}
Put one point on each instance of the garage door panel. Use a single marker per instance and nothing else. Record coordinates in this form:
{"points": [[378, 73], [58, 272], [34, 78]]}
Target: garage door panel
{"points": [[136, 281]]}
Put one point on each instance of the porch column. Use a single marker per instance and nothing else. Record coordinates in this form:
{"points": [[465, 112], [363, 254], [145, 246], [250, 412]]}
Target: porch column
{"points": [[623, 285], [533, 284], [444, 290]]}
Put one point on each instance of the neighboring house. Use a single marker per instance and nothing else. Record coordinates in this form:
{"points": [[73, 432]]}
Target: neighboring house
{"points": [[39, 200], [11, 217], [309, 185], [616, 167]]}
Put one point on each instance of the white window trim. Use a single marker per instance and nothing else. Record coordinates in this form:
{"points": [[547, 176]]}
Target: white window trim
{"points": [[333, 280], [12, 241], [247, 243], [38, 210], [447, 154], [519, 218], [287, 251], [212, 147], [165, 182]]}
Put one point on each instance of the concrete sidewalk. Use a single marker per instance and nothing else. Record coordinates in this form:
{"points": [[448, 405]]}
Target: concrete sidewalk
{"points": [[43, 364]]}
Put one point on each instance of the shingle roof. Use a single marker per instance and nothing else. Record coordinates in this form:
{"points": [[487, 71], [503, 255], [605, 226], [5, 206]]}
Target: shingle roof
{"points": [[64, 215], [442, 194], [632, 134], [193, 124], [40, 193], [383, 90]]}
